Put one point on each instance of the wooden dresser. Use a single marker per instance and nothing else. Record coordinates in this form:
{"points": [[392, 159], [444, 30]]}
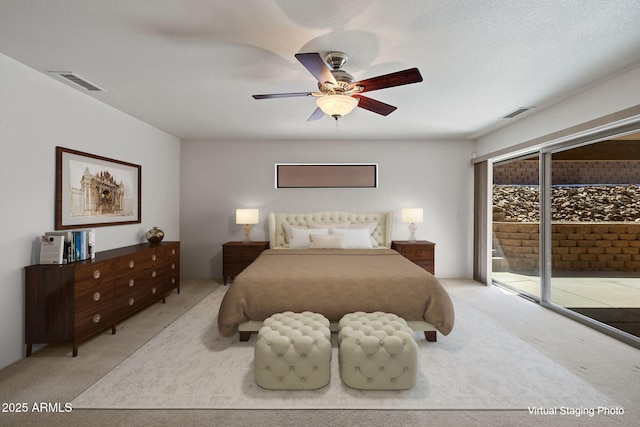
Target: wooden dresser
{"points": [[236, 256], [420, 252], [72, 302]]}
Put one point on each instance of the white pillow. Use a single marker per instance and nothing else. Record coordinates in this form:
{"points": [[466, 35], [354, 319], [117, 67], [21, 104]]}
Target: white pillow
{"points": [[354, 238], [286, 227], [327, 242], [371, 226], [300, 236]]}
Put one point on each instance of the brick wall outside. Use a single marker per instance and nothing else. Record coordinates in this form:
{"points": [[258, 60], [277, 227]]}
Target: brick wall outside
{"points": [[567, 172], [575, 247]]}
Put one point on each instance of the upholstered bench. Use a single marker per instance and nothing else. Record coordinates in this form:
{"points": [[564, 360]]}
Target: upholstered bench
{"points": [[377, 351], [293, 352]]}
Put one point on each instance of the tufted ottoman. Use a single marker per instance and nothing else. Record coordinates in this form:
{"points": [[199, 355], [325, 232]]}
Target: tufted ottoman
{"points": [[293, 352], [377, 352]]}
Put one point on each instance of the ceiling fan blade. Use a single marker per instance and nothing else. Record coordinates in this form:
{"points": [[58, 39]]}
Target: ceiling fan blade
{"points": [[375, 106], [314, 63], [399, 78], [282, 95], [316, 115]]}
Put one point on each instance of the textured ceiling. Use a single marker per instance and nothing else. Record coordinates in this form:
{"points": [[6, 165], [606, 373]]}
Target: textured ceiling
{"points": [[190, 67]]}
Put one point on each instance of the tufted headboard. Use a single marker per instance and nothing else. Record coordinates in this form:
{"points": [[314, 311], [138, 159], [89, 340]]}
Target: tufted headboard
{"points": [[382, 233]]}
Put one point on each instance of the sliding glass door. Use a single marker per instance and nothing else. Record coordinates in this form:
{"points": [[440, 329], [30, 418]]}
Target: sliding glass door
{"points": [[595, 232], [516, 225]]}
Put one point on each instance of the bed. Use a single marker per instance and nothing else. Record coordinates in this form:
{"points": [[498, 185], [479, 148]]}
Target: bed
{"points": [[334, 263]]}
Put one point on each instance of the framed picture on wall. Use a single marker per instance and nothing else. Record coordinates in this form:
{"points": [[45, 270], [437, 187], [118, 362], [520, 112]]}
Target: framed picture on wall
{"points": [[326, 175], [95, 191]]}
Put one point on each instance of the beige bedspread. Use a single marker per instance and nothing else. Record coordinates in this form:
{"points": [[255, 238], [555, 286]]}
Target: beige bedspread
{"points": [[334, 283]]}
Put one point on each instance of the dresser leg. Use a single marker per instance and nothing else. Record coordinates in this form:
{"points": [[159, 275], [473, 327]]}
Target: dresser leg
{"points": [[244, 335], [113, 329], [28, 349], [75, 349], [431, 336]]}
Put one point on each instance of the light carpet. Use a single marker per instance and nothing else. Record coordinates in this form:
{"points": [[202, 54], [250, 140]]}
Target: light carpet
{"points": [[480, 365]]}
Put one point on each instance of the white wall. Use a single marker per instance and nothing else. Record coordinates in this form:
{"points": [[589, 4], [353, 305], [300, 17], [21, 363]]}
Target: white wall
{"points": [[220, 176], [612, 95], [38, 113]]}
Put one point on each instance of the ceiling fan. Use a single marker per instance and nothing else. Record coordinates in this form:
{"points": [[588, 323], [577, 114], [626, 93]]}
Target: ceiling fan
{"points": [[338, 92]]}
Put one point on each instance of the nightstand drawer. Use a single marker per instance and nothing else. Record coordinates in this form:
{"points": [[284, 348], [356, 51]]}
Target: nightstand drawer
{"points": [[418, 254]]}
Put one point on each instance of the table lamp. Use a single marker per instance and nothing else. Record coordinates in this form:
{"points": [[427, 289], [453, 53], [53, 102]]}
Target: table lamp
{"points": [[247, 217], [412, 216]]}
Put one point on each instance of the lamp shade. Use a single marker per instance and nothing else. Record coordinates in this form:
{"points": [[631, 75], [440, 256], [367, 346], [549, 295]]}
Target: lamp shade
{"points": [[412, 215], [337, 105], [247, 216]]}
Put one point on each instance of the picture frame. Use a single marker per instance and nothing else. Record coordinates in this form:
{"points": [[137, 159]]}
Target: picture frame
{"points": [[326, 175], [95, 191]]}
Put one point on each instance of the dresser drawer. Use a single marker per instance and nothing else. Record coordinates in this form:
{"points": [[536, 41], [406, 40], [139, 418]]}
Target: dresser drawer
{"points": [[94, 275], [147, 259], [93, 294], [126, 286], [133, 301], [172, 252]]}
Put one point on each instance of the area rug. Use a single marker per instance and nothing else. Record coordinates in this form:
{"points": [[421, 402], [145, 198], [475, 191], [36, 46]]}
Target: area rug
{"points": [[479, 366]]}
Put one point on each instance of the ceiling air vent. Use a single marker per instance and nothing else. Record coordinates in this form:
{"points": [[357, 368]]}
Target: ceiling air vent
{"points": [[517, 112], [76, 79]]}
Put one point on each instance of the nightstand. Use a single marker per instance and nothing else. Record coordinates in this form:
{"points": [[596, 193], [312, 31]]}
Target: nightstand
{"points": [[420, 252], [236, 256]]}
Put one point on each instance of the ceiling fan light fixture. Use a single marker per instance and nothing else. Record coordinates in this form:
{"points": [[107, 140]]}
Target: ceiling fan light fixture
{"points": [[337, 106]]}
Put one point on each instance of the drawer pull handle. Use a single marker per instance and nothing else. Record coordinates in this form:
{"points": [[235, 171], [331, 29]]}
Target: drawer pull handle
{"points": [[173, 251], [96, 274], [153, 290], [173, 266], [131, 264], [96, 296], [173, 280], [131, 283], [153, 273], [153, 257], [96, 318], [131, 301]]}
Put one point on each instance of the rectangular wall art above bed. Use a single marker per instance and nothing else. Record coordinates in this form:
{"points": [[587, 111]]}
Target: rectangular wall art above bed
{"points": [[326, 175]]}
